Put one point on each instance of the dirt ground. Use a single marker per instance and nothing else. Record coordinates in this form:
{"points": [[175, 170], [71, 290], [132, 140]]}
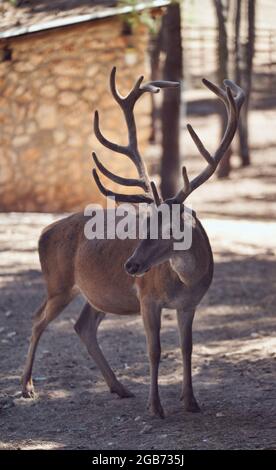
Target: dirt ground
{"points": [[234, 360]]}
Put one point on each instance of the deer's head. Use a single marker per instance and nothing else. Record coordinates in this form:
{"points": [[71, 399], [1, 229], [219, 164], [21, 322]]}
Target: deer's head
{"points": [[153, 251]]}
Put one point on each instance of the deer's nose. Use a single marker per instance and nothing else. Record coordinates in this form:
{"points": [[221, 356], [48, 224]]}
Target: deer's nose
{"points": [[132, 267]]}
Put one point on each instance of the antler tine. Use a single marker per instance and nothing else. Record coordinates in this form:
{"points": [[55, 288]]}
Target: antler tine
{"points": [[204, 152], [127, 104], [239, 93], [231, 127], [233, 104], [217, 90], [155, 193], [156, 85], [187, 186], [162, 84], [134, 198], [116, 178], [118, 97], [107, 143]]}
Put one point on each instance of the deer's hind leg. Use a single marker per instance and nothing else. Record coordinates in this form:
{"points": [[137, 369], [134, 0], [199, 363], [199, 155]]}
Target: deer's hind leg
{"points": [[86, 328], [47, 312]]}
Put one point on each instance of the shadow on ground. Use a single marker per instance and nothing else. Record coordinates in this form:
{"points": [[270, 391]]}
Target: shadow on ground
{"points": [[234, 371]]}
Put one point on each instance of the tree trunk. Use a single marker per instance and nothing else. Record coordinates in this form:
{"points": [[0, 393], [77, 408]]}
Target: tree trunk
{"points": [[246, 82], [170, 112], [222, 51], [155, 47], [237, 45]]}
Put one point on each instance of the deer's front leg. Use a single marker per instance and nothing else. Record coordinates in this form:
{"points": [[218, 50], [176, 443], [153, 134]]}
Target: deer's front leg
{"points": [[185, 323], [152, 319]]}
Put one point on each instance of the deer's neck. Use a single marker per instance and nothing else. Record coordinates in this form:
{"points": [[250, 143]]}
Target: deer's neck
{"points": [[185, 266], [191, 265]]}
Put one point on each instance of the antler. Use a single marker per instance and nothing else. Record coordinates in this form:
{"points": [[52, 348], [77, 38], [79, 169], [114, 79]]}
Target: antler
{"points": [[233, 105], [127, 104]]}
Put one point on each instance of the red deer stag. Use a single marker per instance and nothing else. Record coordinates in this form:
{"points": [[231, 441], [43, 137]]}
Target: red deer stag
{"points": [[132, 275]]}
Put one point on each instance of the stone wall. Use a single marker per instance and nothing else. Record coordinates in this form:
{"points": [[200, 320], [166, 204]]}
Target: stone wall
{"points": [[49, 91]]}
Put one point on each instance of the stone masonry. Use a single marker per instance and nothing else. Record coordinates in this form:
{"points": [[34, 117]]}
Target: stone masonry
{"points": [[50, 87]]}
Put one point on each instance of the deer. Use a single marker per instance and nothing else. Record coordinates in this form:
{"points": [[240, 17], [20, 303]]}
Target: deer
{"points": [[132, 276]]}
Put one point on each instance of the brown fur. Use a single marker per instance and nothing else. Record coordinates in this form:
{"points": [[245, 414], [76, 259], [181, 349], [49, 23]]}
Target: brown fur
{"points": [[72, 264]]}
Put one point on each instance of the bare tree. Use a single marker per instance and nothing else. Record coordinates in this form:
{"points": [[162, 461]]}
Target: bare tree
{"points": [[170, 112], [222, 10], [244, 67], [155, 47], [243, 54], [237, 38]]}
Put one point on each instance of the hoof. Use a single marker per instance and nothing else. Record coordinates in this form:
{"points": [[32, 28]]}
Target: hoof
{"points": [[190, 405], [29, 393], [156, 410], [121, 391], [28, 390]]}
